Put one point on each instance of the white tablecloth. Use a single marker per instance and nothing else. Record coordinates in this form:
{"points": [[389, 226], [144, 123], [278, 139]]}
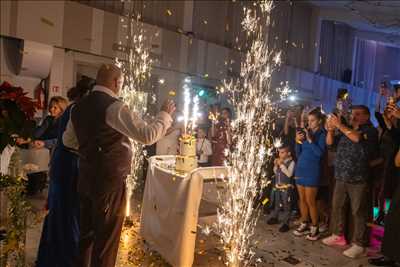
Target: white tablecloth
{"points": [[170, 208], [40, 158]]}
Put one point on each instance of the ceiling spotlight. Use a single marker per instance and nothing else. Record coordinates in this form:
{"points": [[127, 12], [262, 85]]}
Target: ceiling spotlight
{"points": [[161, 81], [292, 98]]}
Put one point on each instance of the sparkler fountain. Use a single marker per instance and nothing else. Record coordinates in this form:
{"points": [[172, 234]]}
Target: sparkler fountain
{"points": [[189, 119], [135, 63], [255, 102], [186, 160], [186, 104]]}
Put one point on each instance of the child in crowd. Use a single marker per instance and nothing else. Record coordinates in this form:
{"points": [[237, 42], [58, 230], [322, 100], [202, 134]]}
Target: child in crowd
{"points": [[203, 148], [281, 193]]}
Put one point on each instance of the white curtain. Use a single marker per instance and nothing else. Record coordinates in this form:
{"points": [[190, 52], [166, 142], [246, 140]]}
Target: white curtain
{"points": [[374, 63], [387, 66], [364, 65]]}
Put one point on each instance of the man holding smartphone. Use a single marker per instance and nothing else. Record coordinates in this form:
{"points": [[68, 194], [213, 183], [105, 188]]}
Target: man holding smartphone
{"points": [[355, 146]]}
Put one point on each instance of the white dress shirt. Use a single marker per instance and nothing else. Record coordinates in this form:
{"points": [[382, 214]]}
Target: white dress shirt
{"points": [[204, 149], [121, 119], [288, 171]]}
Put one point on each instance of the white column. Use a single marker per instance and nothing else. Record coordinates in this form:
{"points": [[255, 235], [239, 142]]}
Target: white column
{"points": [[97, 31], [69, 72], [187, 27], [188, 16], [5, 17]]}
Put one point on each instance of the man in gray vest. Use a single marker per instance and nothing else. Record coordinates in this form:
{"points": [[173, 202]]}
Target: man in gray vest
{"points": [[100, 128]]}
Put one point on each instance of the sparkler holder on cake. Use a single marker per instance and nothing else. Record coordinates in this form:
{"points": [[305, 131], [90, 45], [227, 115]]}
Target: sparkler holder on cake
{"points": [[186, 161]]}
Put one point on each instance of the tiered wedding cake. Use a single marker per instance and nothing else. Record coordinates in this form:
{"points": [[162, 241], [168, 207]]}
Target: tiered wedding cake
{"points": [[186, 161]]}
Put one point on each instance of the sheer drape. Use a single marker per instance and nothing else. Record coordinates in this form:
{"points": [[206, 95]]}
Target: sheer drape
{"points": [[336, 49], [290, 33], [364, 65], [387, 66], [374, 63]]}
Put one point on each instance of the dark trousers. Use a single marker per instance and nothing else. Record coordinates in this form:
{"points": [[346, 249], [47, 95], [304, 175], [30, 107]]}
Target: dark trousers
{"points": [[357, 196], [391, 236], [294, 196], [101, 220], [281, 197], [36, 182]]}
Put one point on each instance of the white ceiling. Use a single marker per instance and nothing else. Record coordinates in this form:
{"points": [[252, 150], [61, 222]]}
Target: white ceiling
{"points": [[376, 16]]}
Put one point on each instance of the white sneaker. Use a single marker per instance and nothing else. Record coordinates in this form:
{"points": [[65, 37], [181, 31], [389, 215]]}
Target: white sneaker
{"points": [[303, 229], [335, 240], [354, 251], [323, 227], [314, 234]]}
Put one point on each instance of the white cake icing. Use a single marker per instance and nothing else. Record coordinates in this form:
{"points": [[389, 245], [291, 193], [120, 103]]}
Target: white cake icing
{"points": [[186, 161]]}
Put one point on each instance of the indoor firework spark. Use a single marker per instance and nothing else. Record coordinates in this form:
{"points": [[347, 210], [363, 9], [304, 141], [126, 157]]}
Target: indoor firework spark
{"points": [[256, 105], [186, 105], [195, 112], [135, 63]]}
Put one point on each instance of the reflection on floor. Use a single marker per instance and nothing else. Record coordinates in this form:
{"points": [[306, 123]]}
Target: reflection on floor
{"points": [[273, 248]]}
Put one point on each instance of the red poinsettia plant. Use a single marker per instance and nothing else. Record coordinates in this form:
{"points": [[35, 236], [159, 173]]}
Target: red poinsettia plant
{"points": [[16, 114]]}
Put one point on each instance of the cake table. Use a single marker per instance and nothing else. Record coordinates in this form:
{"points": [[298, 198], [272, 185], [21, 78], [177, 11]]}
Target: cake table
{"points": [[170, 207]]}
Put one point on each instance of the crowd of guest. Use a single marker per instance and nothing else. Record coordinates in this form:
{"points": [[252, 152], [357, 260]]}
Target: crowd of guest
{"points": [[331, 168], [336, 168]]}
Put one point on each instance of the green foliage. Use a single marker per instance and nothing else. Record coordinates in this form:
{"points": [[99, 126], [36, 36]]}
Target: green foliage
{"points": [[13, 186], [14, 243]]}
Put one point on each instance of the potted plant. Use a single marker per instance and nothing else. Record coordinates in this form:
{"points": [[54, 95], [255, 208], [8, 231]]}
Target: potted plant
{"points": [[16, 115], [16, 123]]}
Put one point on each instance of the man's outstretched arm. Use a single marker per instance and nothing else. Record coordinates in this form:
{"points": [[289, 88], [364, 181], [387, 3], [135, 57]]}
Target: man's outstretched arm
{"points": [[121, 119]]}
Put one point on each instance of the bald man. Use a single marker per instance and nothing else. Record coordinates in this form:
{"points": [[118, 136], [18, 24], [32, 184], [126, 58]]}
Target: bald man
{"points": [[100, 128]]}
